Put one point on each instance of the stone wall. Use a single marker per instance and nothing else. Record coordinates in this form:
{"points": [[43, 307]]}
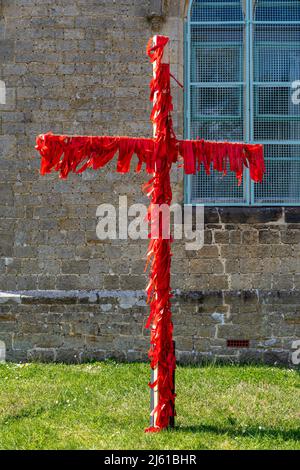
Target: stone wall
{"points": [[80, 67], [71, 67], [82, 326]]}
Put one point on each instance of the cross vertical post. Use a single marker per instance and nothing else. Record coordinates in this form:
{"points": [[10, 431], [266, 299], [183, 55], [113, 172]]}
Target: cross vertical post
{"points": [[154, 374], [162, 352], [75, 154]]}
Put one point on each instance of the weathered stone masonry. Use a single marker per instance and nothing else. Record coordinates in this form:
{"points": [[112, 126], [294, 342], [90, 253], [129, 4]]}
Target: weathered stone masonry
{"points": [[79, 326], [80, 67]]}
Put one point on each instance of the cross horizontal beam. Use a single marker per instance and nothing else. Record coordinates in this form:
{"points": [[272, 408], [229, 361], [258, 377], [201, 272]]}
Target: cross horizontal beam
{"points": [[75, 154]]}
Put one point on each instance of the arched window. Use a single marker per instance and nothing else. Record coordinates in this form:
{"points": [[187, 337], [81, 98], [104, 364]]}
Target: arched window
{"points": [[243, 59]]}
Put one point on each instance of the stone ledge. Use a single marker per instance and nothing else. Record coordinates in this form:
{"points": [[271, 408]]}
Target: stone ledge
{"points": [[64, 296], [126, 297]]}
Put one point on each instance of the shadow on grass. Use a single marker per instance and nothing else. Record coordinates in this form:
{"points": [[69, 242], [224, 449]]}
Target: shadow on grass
{"points": [[250, 431], [23, 414]]}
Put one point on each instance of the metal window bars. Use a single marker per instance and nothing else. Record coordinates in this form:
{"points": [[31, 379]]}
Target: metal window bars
{"points": [[242, 57]]}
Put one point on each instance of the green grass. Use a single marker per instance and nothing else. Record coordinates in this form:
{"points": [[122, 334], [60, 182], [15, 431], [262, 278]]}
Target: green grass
{"points": [[105, 406]]}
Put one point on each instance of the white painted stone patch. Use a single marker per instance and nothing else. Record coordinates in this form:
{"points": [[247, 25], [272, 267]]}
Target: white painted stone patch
{"points": [[2, 352], [219, 317], [2, 92]]}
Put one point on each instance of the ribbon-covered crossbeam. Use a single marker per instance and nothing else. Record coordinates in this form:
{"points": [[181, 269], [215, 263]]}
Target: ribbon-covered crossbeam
{"points": [[75, 154]]}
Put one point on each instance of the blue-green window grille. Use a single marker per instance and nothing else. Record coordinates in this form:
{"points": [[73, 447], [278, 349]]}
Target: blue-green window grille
{"points": [[242, 57]]}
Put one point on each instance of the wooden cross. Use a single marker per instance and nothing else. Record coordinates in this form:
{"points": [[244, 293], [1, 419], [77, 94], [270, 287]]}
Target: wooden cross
{"points": [[77, 153]]}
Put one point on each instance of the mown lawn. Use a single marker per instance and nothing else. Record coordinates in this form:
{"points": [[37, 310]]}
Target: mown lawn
{"points": [[105, 406]]}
